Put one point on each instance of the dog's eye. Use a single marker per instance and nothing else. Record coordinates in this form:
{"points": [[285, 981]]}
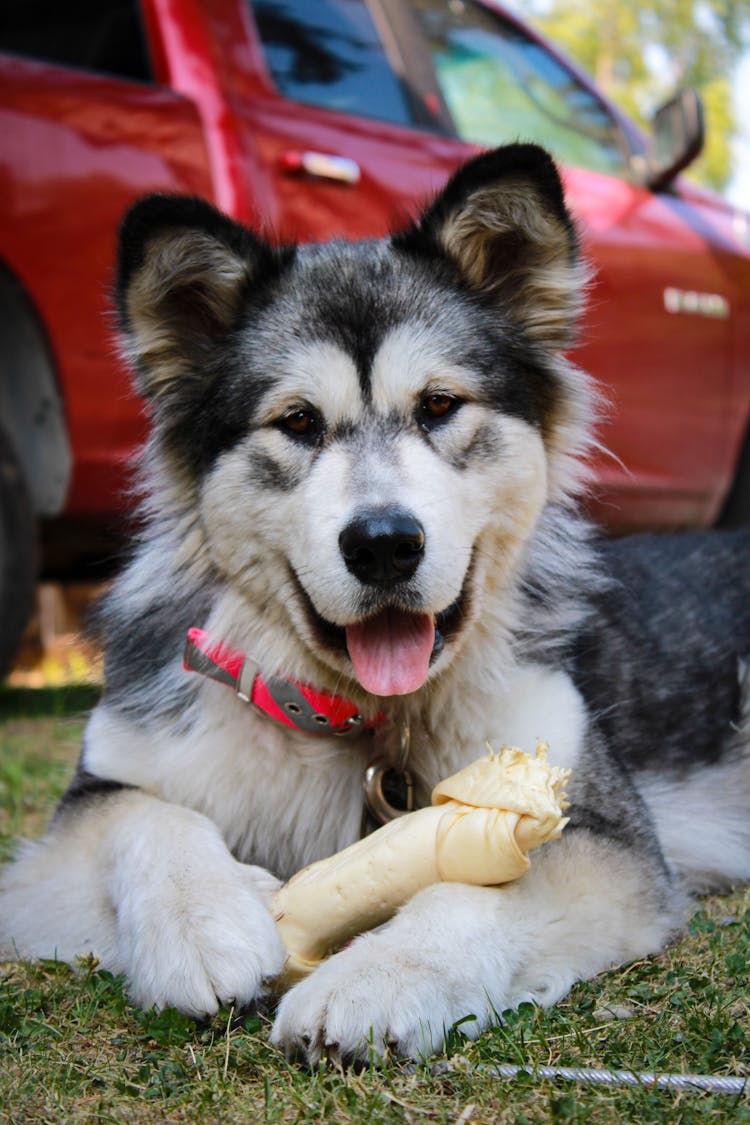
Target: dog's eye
{"points": [[301, 422], [435, 407]]}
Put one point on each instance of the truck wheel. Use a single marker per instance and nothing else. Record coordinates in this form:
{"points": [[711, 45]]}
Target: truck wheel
{"points": [[736, 510], [17, 554]]}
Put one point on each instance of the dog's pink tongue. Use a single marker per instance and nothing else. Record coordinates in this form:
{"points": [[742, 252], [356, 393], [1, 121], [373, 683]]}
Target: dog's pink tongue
{"points": [[391, 652]]}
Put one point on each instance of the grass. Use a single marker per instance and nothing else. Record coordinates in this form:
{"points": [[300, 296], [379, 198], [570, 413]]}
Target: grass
{"points": [[73, 1050]]}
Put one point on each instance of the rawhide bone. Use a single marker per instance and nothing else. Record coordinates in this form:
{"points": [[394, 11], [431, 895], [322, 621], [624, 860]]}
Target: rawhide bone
{"points": [[482, 822]]}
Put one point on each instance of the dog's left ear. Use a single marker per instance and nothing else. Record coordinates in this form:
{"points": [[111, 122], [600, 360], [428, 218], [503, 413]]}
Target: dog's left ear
{"points": [[502, 220]]}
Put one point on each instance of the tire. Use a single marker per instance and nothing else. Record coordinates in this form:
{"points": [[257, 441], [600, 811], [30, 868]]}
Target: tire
{"points": [[736, 510], [18, 554]]}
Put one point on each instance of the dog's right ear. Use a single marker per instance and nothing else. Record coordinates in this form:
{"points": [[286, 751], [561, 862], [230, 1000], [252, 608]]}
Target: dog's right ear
{"points": [[183, 272]]}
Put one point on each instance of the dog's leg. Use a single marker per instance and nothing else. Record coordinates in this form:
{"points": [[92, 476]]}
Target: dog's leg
{"points": [[152, 891], [455, 951]]}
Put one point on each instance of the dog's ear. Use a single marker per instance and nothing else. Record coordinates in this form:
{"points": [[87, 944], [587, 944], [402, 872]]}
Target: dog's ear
{"points": [[183, 272], [502, 220]]}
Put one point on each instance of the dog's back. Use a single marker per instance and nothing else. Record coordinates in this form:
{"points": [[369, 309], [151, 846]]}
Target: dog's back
{"points": [[661, 660], [664, 666]]}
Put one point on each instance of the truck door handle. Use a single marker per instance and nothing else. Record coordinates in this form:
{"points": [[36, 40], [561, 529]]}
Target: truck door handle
{"points": [[322, 165]]}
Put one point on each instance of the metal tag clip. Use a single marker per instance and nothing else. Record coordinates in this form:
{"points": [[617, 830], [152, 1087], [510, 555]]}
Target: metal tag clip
{"points": [[383, 786], [389, 790]]}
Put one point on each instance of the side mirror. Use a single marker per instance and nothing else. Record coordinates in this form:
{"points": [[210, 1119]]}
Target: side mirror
{"points": [[677, 136]]}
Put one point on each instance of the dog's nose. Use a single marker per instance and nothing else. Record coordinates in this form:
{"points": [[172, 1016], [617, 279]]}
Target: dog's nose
{"points": [[383, 545]]}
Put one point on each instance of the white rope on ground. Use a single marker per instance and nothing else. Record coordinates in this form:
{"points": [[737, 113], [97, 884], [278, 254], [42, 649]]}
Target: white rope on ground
{"points": [[591, 1076]]}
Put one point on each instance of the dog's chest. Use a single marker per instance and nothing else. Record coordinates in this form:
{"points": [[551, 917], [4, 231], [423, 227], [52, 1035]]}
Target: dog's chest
{"points": [[282, 801], [308, 804]]}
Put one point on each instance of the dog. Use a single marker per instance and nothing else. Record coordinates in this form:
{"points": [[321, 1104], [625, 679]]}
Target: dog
{"points": [[362, 493]]}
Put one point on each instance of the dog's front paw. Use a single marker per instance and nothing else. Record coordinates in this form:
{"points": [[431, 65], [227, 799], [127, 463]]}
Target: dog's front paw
{"points": [[373, 998], [210, 946]]}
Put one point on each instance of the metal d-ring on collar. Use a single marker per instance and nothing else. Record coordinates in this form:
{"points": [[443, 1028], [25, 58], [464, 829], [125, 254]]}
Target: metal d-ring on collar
{"points": [[383, 781]]}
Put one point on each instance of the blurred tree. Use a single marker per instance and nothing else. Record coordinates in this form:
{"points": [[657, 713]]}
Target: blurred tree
{"points": [[642, 52]]}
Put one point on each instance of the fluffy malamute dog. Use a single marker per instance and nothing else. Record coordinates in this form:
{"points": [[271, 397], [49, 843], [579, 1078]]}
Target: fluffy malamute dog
{"points": [[362, 483]]}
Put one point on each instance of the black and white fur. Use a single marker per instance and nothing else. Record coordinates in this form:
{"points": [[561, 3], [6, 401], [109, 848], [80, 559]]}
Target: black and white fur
{"points": [[188, 805]]}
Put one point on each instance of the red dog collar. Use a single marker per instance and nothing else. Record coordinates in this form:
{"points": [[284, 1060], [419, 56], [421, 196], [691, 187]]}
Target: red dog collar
{"points": [[290, 702]]}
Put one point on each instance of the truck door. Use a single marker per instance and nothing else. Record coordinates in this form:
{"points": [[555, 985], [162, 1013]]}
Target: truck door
{"points": [[340, 140]]}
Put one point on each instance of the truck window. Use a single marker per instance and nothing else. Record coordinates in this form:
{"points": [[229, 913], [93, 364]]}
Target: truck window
{"points": [[97, 35], [500, 85], [329, 54]]}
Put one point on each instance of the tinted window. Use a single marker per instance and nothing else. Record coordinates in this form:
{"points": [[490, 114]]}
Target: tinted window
{"points": [[328, 53], [500, 86], [101, 35]]}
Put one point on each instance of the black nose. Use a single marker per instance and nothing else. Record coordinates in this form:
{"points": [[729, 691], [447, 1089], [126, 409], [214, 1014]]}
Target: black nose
{"points": [[383, 545]]}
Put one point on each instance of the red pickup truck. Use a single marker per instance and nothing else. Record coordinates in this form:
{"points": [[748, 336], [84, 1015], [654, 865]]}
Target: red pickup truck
{"points": [[317, 118]]}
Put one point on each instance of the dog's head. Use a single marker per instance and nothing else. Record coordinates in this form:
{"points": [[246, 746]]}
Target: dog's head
{"points": [[368, 432]]}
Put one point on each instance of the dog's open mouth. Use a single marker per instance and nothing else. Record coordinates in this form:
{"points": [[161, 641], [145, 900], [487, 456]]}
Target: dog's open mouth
{"points": [[391, 651]]}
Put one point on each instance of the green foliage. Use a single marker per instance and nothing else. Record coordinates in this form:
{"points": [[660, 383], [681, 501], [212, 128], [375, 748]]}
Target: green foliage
{"points": [[640, 53], [715, 167], [72, 699]]}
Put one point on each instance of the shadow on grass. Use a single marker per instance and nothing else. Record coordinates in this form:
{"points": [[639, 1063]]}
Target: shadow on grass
{"points": [[54, 702]]}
